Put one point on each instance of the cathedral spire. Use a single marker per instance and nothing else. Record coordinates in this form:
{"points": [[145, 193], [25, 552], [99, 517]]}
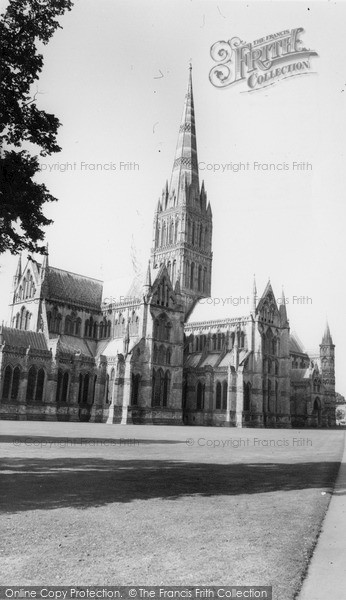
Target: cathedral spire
{"points": [[185, 166], [183, 223]]}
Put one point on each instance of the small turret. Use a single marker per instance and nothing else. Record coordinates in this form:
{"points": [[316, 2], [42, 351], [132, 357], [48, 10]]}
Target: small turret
{"points": [[282, 309], [254, 296], [236, 348], [18, 274], [203, 198], [147, 282], [45, 264], [127, 338]]}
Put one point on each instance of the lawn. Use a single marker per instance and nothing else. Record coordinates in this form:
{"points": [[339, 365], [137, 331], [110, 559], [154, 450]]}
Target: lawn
{"points": [[167, 505]]}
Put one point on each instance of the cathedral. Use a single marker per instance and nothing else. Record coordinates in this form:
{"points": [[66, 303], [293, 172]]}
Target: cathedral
{"points": [[69, 356]]}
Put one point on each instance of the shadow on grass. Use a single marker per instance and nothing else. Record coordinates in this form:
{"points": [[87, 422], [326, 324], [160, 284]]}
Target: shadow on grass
{"points": [[35, 483]]}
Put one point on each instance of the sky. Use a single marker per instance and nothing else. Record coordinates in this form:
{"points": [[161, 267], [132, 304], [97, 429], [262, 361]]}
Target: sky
{"points": [[116, 74]]}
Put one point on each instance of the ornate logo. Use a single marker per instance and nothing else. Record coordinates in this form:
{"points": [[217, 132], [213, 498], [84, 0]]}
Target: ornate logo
{"points": [[261, 63]]}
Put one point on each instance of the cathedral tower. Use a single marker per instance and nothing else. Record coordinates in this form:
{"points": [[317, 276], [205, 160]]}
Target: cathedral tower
{"points": [[183, 218], [327, 356]]}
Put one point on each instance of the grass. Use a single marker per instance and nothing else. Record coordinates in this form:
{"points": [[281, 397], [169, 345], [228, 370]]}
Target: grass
{"points": [[157, 510]]}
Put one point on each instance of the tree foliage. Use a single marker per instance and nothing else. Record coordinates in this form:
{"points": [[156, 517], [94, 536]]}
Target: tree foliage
{"points": [[23, 25]]}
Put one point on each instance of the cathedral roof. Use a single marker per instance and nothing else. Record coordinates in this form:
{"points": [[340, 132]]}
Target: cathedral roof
{"points": [[23, 339], [300, 374], [75, 345], [211, 359], [111, 347], [296, 346], [227, 359], [192, 360], [70, 288]]}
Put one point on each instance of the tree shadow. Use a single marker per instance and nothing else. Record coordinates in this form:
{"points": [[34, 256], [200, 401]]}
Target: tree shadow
{"points": [[36, 483]]}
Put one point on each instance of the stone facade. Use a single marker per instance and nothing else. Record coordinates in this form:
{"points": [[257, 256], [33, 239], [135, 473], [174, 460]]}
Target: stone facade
{"points": [[68, 356]]}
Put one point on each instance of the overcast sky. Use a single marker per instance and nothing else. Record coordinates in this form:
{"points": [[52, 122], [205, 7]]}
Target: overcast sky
{"points": [[116, 76]]}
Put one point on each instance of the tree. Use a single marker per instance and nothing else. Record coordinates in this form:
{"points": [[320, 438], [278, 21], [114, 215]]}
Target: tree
{"points": [[23, 25], [340, 413], [339, 399]]}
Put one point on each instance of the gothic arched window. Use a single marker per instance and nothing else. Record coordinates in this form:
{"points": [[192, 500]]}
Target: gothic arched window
{"points": [[187, 274], [157, 387], [15, 383], [39, 386], [27, 320], [200, 395], [7, 383], [94, 390], [59, 386], [174, 267], [218, 396], [163, 238], [22, 317], [30, 389], [200, 278], [204, 279], [136, 379], [65, 385], [161, 355], [91, 327], [68, 325], [80, 388], [224, 395], [269, 390], [78, 326], [106, 398], [247, 396], [168, 327], [166, 388], [171, 233], [176, 231], [192, 276], [168, 356], [86, 388]]}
